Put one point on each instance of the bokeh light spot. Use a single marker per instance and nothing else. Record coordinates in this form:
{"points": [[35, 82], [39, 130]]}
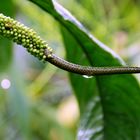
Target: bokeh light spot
{"points": [[5, 84]]}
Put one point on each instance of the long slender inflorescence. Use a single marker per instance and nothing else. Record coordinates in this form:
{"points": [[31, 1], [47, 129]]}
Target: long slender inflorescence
{"points": [[28, 38], [24, 36]]}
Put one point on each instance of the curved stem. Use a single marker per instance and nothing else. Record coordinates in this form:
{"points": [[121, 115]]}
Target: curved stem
{"points": [[28, 38], [88, 70]]}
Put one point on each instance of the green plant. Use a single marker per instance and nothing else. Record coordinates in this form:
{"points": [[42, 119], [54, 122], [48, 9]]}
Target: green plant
{"points": [[36, 46], [109, 105]]}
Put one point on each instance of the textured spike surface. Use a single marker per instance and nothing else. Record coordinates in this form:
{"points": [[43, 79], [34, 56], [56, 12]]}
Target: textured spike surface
{"points": [[24, 36], [36, 46]]}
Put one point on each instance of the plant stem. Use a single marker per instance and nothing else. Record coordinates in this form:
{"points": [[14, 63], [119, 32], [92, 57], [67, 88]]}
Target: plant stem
{"points": [[28, 38]]}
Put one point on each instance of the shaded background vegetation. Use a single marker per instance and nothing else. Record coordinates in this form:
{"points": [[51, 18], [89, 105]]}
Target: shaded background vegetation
{"points": [[40, 102]]}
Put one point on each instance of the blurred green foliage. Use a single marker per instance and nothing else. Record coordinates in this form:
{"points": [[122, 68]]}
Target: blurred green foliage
{"points": [[7, 8], [36, 104]]}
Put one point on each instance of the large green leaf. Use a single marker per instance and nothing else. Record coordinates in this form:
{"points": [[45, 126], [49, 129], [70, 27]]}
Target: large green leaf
{"points": [[119, 94], [86, 93], [7, 8]]}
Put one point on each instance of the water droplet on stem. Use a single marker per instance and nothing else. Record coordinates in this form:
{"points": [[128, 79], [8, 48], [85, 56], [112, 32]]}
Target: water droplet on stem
{"points": [[87, 76]]}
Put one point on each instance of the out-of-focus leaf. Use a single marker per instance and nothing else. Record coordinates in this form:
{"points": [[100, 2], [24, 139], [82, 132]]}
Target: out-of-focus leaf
{"points": [[120, 98], [45, 125], [7, 8], [19, 104]]}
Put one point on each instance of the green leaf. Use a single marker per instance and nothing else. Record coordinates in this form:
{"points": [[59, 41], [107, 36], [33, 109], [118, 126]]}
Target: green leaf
{"points": [[119, 94], [85, 91], [7, 8]]}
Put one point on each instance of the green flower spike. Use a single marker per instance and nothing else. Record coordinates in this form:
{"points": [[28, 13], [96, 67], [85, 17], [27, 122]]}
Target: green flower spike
{"points": [[36, 46], [24, 36]]}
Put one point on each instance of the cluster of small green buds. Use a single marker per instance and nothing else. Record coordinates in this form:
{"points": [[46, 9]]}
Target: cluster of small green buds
{"points": [[24, 36]]}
